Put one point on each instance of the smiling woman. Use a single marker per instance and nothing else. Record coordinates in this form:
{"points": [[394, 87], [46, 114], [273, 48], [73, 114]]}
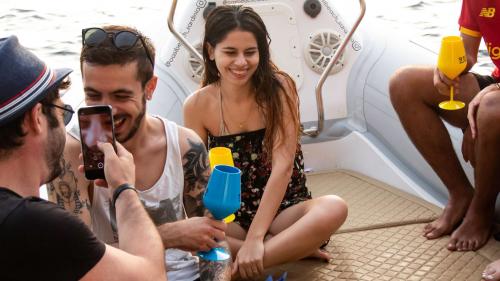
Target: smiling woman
{"points": [[259, 121]]}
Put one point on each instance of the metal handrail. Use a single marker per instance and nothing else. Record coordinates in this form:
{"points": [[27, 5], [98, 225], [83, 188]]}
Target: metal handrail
{"points": [[177, 35], [315, 131]]}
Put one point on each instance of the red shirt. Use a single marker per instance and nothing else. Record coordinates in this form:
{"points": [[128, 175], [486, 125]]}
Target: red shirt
{"points": [[481, 18]]}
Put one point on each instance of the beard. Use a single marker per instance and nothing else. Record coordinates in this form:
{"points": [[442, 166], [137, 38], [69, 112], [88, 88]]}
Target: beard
{"points": [[54, 152], [136, 123]]}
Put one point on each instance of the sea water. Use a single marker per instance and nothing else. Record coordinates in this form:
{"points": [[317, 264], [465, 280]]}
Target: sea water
{"points": [[52, 29]]}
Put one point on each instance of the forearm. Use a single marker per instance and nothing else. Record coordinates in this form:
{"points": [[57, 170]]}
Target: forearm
{"points": [[71, 193], [138, 234], [269, 204], [171, 234], [216, 270]]}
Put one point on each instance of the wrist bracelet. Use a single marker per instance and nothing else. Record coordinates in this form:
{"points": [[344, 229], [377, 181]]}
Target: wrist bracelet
{"points": [[498, 85], [120, 189]]}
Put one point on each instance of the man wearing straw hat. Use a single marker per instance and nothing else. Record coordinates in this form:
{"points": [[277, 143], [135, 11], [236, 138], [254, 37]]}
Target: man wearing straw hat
{"points": [[39, 240]]}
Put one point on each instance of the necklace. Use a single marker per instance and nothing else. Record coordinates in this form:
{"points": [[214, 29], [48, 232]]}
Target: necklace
{"points": [[242, 123]]}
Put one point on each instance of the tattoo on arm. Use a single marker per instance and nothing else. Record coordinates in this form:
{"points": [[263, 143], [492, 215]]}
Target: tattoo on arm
{"points": [[216, 270], [64, 191], [196, 171]]}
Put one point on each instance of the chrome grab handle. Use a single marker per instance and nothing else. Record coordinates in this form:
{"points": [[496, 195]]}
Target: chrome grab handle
{"points": [[315, 131], [177, 35]]}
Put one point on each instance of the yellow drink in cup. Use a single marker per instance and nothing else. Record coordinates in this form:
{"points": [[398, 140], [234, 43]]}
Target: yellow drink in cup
{"points": [[220, 156]]}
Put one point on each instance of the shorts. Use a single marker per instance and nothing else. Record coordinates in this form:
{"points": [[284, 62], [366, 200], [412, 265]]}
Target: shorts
{"points": [[484, 80]]}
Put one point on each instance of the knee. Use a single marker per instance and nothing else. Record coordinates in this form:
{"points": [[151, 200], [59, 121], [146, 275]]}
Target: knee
{"points": [[398, 84], [488, 114], [334, 210], [406, 84]]}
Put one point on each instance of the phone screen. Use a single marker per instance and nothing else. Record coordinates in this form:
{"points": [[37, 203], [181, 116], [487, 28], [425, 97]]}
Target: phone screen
{"points": [[96, 125]]}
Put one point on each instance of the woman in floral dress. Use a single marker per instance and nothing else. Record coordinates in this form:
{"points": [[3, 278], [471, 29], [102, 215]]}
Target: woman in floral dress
{"points": [[248, 105]]}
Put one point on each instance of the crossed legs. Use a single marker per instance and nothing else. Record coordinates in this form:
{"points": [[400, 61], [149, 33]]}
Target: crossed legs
{"points": [[298, 231], [423, 124]]}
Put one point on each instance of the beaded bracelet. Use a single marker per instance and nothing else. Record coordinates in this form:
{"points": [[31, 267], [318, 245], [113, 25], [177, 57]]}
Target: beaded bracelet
{"points": [[120, 189]]}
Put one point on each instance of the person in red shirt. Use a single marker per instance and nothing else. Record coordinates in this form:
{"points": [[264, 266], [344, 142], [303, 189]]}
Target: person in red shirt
{"points": [[468, 216]]}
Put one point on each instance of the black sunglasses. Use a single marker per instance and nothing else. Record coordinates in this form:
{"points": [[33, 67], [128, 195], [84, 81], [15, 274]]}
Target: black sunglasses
{"points": [[67, 114], [122, 40]]}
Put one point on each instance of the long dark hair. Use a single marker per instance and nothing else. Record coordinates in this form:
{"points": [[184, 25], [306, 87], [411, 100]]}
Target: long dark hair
{"points": [[270, 92]]}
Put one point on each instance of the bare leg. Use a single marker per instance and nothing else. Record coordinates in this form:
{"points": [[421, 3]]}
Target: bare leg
{"points": [[235, 245], [302, 228], [492, 271], [416, 101], [235, 236], [310, 222], [475, 230], [317, 253]]}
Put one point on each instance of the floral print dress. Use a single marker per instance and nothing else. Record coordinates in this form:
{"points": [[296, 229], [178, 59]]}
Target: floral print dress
{"points": [[252, 160]]}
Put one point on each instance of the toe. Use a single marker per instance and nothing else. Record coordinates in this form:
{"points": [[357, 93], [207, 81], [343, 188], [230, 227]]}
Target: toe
{"points": [[428, 227], [466, 245], [427, 230], [491, 275], [475, 245], [452, 244], [433, 234]]}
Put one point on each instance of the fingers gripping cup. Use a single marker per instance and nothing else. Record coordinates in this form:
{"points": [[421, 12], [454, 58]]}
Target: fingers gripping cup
{"points": [[222, 197]]}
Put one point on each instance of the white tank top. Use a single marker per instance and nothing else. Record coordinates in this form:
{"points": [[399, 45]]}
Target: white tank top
{"points": [[163, 202]]}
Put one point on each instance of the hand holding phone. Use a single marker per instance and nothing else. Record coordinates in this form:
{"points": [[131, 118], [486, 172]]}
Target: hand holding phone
{"points": [[96, 125], [119, 168]]}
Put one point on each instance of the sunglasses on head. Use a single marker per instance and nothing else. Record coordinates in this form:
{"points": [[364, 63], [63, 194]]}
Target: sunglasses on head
{"points": [[122, 40], [67, 114]]}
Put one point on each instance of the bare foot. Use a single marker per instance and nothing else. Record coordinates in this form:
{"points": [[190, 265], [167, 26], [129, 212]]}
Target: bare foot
{"points": [[321, 254], [452, 214], [492, 271], [317, 254], [473, 233]]}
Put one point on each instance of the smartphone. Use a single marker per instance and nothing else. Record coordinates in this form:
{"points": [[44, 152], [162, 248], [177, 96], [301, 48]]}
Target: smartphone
{"points": [[96, 125]]}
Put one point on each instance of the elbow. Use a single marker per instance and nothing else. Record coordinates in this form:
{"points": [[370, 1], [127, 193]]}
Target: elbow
{"points": [[287, 170], [155, 271], [162, 276]]}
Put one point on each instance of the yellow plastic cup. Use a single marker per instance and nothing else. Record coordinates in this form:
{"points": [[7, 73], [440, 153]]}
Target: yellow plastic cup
{"points": [[452, 60], [229, 218], [220, 156]]}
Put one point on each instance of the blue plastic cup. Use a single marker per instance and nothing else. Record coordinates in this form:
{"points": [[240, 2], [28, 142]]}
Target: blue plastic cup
{"points": [[222, 198], [223, 193]]}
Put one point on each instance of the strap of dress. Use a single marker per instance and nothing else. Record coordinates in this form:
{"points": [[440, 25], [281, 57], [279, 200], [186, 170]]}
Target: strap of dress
{"points": [[222, 125]]}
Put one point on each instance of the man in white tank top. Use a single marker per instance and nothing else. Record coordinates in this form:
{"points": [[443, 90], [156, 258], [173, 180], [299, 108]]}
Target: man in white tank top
{"points": [[171, 161]]}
